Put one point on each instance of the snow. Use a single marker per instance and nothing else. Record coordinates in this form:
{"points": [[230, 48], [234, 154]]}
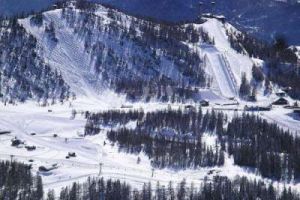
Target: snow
{"points": [[297, 51], [237, 63], [215, 61], [27, 118], [68, 56], [68, 53], [284, 118], [223, 63]]}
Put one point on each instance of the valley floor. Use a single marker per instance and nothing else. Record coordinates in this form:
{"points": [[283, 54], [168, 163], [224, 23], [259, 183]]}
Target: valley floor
{"points": [[37, 125]]}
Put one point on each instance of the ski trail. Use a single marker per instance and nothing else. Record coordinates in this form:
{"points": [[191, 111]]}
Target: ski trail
{"points": [[221, 71]]}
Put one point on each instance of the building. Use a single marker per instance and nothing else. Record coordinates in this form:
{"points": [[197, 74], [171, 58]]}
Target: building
{"points": [[189, 107], [48, 168], [258, 108], [281, 101], [204, 103], [221, 18]]}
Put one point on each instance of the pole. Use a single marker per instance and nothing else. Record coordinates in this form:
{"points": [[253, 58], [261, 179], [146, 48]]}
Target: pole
{"points": [[152, 172], [298, 66], [100, 168]]}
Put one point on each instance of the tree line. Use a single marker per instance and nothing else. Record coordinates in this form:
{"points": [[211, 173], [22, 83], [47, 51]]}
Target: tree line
{"points": [[218, 188], [23, 73], [170, 138], [255, 143], [280, 59], [17, 182], [173, 138]]}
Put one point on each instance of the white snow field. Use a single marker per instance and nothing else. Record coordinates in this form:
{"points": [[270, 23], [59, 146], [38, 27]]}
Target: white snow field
{"points": [[24, 119]]}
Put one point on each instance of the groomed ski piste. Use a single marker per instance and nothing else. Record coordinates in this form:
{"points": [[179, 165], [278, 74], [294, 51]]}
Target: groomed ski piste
{"points": [[36, 125]]}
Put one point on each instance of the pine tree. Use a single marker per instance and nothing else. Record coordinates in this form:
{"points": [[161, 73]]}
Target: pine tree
{"points": [[51, 195], [245, 87]]}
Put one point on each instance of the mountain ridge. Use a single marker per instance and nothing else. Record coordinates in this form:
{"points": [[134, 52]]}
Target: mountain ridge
{"points": [[260, 18]]}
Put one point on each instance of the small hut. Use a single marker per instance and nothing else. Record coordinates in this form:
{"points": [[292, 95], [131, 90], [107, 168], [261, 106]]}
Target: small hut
{"points": [[204, 103]]}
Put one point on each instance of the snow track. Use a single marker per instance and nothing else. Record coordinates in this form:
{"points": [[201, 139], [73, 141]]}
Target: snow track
{"points": [[221, 70], [226, 65]]}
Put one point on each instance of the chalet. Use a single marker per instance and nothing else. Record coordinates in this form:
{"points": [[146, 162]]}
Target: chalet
{"points": [[72, 154], [204, 103], [189, 107], [221, 18], [16, 142], [48, 168], [281, 101], [30, 148], [258, 108]]}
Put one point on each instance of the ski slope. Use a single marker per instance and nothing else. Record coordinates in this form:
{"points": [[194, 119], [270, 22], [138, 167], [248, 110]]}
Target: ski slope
{"points": [[223, 63], [67, 56], [221, 71]]}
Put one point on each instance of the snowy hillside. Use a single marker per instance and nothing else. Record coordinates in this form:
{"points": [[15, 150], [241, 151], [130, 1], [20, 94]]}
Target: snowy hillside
{"points": [[109, 50], [262, 18], [23, 72], [136, 114]]}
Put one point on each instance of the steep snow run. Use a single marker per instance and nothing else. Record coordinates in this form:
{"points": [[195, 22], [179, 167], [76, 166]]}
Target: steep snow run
{"points": [[235, 63], [68, 55], [221, 71], [222, 62]]}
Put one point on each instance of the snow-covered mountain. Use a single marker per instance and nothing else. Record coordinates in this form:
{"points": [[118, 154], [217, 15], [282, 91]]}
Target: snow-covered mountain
{"points": [[107, 57], [24, 74], [97, 48], [263, 18], [106, 49]]}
